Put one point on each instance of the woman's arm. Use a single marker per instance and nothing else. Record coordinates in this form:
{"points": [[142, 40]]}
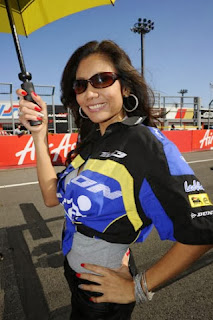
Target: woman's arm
{"points": [[45, 170], [118, 286], [46, 173], [175, 261]]}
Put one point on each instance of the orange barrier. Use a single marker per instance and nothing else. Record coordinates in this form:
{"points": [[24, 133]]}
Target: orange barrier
{"points": [[19, 151], [202, 140], [191, 140], [182, 139]]}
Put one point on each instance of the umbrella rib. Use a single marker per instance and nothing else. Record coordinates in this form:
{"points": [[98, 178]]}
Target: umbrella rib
{"points": [[22, 18], [112, 2]]}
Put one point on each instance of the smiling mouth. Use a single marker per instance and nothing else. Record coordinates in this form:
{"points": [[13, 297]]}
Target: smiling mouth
{"points": [[96, 107]]}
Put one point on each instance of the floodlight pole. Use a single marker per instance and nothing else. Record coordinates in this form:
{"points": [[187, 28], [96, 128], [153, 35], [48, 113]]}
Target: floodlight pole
{"points": [[142, 27], [142, 54]]}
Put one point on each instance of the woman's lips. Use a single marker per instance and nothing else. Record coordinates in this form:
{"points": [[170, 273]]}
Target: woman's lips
{"points": [[96, 107]]}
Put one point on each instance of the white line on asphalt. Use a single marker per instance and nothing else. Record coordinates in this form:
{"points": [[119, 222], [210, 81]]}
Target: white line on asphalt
{"points": [[18, 184], [200, 161], [36, 182]]}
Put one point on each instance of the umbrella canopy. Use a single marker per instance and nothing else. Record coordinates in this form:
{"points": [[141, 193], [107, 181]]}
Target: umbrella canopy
{"points": [[30, 15], [22, 17]]}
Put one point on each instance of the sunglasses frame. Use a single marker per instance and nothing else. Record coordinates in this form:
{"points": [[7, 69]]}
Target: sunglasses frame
{"points": [[114, 77]]}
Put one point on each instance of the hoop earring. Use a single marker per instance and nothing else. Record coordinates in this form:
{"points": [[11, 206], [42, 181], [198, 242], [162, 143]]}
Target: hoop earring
{"points": [[136, 103], [81, 114]]}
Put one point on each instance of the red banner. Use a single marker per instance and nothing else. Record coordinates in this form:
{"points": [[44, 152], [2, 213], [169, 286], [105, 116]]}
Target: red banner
{"points": [[202, 140], [20, 151], [182, 139]]}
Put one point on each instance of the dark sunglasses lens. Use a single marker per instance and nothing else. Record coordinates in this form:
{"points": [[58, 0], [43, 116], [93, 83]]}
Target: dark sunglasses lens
{"points": [[103, 80], [79, 86], [99, 80]]}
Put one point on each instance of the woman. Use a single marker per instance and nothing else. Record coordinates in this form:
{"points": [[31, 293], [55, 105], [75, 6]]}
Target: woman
{"points": [[125, 177]]}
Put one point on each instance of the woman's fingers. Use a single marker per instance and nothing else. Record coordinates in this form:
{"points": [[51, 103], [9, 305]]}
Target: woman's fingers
{"points": [[125, 260], [95, 268], [115, 289], [116, 286], [31, 111], [39, 105], [100, 272], [91, 287]]}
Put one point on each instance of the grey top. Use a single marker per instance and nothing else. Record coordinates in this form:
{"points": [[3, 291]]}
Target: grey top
{"points": [[95, 251]]}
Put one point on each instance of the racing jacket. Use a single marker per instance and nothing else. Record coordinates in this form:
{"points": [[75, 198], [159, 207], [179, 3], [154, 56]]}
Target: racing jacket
{"points": [[134, 178]]}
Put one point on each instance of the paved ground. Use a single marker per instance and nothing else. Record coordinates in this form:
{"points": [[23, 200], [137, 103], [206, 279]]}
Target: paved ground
{"points": [[31, 272]]}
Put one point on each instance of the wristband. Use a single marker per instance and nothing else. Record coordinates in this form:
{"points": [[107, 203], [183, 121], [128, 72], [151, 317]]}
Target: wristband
{"points": [[139, 294], [149, 294], [142, 294]]}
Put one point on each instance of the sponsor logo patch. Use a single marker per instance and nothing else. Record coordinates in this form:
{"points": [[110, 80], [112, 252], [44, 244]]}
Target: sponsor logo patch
{"points": [[195, 186], [95, 187], [201, 214], [157, 133], [116, 153], [199, 200]]}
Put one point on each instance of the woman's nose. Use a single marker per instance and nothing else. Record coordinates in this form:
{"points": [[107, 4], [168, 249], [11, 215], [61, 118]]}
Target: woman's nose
{"points": [[91, 91]]}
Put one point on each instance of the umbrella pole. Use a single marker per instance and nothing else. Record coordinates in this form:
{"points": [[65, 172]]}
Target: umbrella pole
{"points": [[16, 39], [24, 76]]}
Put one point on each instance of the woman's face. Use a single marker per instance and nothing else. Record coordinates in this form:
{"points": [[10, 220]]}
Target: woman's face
{"points": [[102, 106]]}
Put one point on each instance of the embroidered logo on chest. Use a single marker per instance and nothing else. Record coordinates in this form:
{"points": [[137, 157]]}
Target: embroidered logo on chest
{"points": [[95, 187], [116, 153]]}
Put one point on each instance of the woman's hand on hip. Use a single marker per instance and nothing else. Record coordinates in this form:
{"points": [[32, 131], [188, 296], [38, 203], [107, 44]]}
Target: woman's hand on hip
{"points": [[116, 285]]}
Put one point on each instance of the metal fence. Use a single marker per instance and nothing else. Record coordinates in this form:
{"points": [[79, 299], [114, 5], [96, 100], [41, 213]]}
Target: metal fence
{"points": [[60, 120], [183, 112], [6, 90], [48, 93]]}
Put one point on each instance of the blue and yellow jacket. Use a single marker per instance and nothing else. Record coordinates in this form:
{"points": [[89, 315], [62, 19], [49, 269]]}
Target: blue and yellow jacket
{"points": [[134, 178]]}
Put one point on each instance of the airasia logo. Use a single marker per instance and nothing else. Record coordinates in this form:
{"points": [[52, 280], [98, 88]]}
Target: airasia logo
{"points": [[207, 139], [64, 146]]}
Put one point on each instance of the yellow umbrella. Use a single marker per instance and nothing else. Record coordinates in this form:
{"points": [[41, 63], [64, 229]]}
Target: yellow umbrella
{"points": [[25, 16], [30, 15]]}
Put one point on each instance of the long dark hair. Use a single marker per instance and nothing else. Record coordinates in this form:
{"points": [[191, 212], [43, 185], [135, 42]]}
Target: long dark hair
{"points": [[129, 78]]}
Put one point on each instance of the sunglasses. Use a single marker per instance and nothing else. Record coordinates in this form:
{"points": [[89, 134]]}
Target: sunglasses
{"points": [[98, 81]]}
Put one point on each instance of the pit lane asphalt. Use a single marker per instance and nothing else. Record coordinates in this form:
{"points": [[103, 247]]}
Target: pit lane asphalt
{"points": [[31, 264]]}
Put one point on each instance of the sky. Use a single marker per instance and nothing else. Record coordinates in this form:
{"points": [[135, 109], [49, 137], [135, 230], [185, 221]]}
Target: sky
{"points": [[178, 53]]}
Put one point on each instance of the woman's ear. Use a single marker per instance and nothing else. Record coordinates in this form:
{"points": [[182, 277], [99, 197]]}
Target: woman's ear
{"points": [[125, 92]]}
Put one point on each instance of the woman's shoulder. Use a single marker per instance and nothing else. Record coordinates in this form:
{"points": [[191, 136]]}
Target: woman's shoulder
{"points": [[151, 143], [146, 135]]}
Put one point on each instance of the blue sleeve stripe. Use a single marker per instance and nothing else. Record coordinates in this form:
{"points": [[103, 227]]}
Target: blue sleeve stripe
{"points": [[176, 162], [154, 210]]}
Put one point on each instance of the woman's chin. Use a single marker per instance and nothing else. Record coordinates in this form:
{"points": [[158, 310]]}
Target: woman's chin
{"points": [[98, 118]]}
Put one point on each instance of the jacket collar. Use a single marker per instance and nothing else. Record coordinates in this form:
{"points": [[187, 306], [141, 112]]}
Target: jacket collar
{"points": [[132, 121], [96, 136]]}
